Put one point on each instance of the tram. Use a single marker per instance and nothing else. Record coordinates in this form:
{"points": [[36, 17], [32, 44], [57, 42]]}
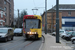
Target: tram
{"points": [[32, 26]]}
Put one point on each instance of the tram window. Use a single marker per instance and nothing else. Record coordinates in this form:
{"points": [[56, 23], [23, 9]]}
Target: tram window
{"points": [[39, 26], [32, 23]]}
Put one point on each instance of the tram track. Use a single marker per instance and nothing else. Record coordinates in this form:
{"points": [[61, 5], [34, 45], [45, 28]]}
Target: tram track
{"points": [[18, 45], [26, 45]]}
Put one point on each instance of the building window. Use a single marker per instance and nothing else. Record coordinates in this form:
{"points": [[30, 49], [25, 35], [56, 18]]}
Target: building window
{"points": [[10, 15], [5, 2], [1, 14], [10, 5], [5, 20], [5, 8], [5, 14], [9, 0], [10, 21], [10, 10], [69, 13]]}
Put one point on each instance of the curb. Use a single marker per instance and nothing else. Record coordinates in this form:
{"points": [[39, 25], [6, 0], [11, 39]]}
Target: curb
{"points": [[41, 47], [43, 41]]}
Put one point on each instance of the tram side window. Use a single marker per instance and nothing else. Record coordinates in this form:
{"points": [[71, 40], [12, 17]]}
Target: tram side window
{"points": [[39, 26]]}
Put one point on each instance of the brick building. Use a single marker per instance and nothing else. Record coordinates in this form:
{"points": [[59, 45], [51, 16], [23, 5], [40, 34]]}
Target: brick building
{"points": [[8, 6], [65, 10], [2, 17], [51, 20]]}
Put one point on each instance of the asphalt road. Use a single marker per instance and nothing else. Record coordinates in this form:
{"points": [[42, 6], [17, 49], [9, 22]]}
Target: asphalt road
{"points": [[20, 43]]}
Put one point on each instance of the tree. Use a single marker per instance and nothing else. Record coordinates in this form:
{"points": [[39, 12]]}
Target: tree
{"points": [[21, 17], [23, 13]]}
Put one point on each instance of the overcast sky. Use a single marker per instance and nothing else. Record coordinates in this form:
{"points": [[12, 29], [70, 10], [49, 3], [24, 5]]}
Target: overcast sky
{"points": [[28, 5]]}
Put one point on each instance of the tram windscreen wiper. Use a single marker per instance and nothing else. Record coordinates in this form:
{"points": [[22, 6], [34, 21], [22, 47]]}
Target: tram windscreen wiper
{"points": [[34, 26]]}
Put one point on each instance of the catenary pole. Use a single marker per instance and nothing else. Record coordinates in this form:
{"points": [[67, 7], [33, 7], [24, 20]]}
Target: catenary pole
{"points": [[57, 21], [45, 16]]}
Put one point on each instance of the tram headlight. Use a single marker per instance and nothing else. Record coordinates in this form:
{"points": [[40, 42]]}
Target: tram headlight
{"points": [[35, 32], [31, 33], [28, 32]]}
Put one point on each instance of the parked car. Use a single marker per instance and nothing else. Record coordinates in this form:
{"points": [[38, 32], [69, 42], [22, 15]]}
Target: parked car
{"points": [[54, 33], [18, 31], [73, 40], [6, 34], [64, 34], [61, 33], [69, 35]]}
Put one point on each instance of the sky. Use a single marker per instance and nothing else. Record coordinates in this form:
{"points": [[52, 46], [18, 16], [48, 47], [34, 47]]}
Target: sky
{"points": [[28, 5]]}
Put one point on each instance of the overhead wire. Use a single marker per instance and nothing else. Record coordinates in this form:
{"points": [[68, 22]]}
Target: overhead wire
{"points": [[36, 7], [40, 4], [34, 3]]}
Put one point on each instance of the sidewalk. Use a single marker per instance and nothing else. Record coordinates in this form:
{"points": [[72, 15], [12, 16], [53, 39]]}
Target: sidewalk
{"points": [[50, 44]]}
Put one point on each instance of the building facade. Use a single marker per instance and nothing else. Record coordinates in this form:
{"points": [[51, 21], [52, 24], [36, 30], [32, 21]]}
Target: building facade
{"points": [[2, 17], [8, 6], [51, 20], [65, 10], [68, 23]]}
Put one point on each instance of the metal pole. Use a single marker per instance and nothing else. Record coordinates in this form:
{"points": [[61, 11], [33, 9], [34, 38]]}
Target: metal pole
{"points": [[57, 21], [18, 18], [45, 16], [14, 23]]}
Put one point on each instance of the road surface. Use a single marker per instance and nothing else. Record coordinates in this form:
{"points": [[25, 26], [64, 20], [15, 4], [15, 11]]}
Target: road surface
{"points": [[20, 43]]}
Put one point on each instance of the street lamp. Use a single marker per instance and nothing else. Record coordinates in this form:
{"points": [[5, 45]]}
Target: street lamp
{"points": [[18, 18], [45, 16]]}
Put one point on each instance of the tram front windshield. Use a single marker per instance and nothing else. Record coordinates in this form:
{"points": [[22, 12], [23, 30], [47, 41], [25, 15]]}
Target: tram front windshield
{"points": [[32, 23]]}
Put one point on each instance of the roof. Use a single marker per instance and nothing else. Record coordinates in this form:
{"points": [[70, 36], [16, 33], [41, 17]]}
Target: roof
{"points": [[18, 28], [51, 10], [5, 28], [64, 7], [2, 27], [61, 8]]}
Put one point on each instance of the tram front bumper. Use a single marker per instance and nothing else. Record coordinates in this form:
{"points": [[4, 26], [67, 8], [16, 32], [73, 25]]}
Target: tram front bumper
{"points": [[31, 35]]}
